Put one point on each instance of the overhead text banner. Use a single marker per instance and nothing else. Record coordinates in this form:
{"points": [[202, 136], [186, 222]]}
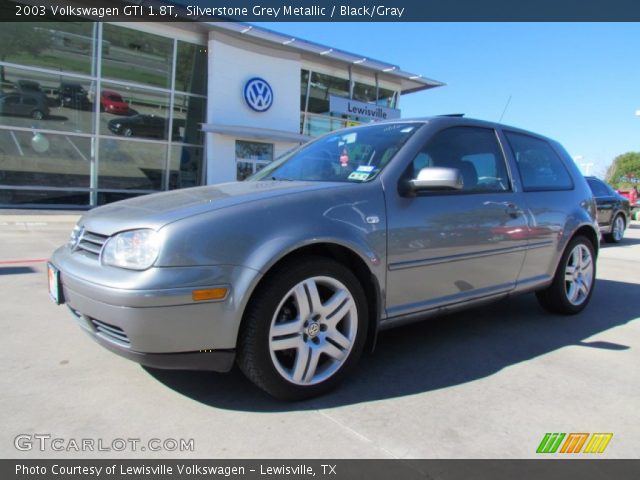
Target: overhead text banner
{"points": [[321, 11]]}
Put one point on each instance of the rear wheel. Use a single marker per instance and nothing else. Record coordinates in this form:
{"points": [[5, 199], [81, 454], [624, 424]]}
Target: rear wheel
{"points": [[37, 115], [573, 281], [617, 230], [304, 330]]}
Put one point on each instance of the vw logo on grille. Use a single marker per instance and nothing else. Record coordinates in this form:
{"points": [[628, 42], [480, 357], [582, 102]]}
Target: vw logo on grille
{"points": [[258, 94]]}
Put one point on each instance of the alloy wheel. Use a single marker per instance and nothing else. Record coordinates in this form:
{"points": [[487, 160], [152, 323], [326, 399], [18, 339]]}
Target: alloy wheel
{"points": [[578, 274], [618, 228], [313, 330]]}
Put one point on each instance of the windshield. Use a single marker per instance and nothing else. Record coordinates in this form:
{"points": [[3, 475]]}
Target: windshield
{"points": [[354, 155]]}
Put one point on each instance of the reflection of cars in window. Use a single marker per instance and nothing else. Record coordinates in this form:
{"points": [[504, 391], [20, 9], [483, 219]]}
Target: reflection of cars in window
{"points": [[112, 102], [29, 86], [294, 271], [25, 105], [614, 211], [73, 95], [140, 125]]}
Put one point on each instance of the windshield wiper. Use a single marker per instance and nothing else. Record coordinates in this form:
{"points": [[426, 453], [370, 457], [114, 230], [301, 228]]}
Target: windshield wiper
{"points": [[282, 179]]}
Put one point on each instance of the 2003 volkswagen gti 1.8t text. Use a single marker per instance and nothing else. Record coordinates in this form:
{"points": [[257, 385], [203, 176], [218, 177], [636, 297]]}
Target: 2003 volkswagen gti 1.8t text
{"points": [[293, 272]]}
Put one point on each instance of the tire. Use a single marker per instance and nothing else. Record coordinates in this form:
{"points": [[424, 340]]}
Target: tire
{"points": [[127, 132], [574, 280], [304, 329], [37, 115], [617, 230]]}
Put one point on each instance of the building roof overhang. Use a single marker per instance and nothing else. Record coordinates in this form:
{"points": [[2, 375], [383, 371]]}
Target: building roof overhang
{"points": [[255, 133]]}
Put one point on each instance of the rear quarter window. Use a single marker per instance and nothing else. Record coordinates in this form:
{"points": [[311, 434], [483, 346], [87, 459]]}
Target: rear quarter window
{"points": [[539, 165]]}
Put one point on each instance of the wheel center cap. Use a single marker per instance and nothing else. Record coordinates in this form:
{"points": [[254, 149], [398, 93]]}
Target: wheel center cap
{"points": [[313, 329]]}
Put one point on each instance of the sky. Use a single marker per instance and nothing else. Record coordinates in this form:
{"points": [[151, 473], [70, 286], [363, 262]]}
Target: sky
{"points": [[578, 83]]}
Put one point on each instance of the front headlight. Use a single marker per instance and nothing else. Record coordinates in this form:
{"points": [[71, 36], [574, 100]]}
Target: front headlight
{"points": [[136, 249], [74, 238]]}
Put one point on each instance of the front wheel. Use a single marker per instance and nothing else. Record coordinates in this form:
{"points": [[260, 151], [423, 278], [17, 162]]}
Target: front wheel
{"points": [[573, 281], [304, 329], [617, 230]]}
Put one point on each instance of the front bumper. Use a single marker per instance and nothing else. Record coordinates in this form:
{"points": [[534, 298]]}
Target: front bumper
{"points": [[214, 360], [150, 317]]}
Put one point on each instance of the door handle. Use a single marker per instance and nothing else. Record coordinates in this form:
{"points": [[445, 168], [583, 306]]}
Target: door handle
{"points": [[513, 210]]}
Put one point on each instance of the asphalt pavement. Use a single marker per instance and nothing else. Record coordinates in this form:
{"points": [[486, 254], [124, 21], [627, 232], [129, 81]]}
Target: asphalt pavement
{"points": [[487, 383]]}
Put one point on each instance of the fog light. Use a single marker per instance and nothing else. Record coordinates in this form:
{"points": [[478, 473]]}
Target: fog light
{"points": [[209, 294]]}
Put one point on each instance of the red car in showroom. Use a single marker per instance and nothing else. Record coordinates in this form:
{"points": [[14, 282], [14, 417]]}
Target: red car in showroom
{"points": [[112, 102]]}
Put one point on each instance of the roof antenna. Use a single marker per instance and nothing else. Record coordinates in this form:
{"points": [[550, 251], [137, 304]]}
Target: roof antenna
{"points": [[505, 109]]}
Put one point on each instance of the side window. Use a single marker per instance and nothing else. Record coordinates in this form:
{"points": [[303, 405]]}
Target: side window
{"points": [[598, 188], [474, 151], [539, 165]]}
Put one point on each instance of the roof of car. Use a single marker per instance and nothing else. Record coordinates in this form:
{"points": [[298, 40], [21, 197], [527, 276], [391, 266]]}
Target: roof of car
{"points": [[451, 120]]}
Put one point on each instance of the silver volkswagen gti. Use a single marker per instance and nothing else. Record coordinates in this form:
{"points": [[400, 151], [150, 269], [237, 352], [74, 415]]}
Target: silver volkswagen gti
{"points": [[293, 272]]}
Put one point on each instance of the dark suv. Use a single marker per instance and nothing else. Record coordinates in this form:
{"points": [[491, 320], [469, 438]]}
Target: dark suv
{"points": [[614, 210], [73, 95]]}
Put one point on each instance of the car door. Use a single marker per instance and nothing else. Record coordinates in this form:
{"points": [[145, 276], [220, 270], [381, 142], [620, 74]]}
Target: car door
{"points": [[605, 201], [11, 105], [28, 105], [446, 247], [549, 200]]}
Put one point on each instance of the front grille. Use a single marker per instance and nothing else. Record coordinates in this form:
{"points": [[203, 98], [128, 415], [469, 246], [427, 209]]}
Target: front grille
{"points": [[111, 332], [92, 243]]}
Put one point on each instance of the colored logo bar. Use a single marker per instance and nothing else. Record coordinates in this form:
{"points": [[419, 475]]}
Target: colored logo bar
{"points": [[573, 442]]}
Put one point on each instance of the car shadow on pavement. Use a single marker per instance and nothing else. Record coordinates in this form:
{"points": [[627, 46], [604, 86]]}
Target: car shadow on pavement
{"points": [[437, 353], [623, 243], [16, 270]]}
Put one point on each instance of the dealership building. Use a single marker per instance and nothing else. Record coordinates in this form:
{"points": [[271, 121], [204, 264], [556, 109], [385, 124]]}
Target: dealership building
{"points": [[98, 112]]}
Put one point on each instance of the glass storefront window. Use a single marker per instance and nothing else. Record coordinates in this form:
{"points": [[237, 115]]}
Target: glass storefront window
{"points": [[131, 165], [191, 68], [105, 197], [322, 87], [137, 56], [188, 116], [39, 159], [251, 157], [33, 99], [387, 98], [185, 169], [134, 112], [57, 129], [66, 46], [304, 84], [58, 197], [364, 93]]}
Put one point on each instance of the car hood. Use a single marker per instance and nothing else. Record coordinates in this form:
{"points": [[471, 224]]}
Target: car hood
{"points": [[157, 210]]}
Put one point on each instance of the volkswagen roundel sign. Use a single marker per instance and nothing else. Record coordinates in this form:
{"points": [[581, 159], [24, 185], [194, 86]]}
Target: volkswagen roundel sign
{"points": [[258, 94]]}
